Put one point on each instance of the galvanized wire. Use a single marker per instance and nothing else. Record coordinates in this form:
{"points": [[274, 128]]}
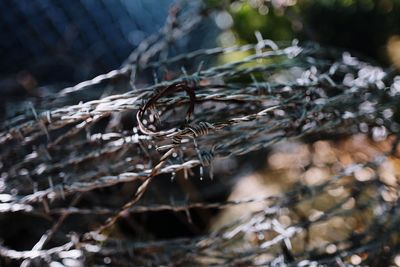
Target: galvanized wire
{"points": [[283, 92]]}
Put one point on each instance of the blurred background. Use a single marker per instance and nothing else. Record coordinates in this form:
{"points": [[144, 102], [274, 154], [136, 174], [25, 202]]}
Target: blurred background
{"points": [[49, 45], [62, 43], [44, 41]]}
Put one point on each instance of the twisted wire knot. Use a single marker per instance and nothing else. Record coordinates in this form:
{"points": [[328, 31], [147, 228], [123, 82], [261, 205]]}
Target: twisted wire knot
{"points": [[202, 128]]}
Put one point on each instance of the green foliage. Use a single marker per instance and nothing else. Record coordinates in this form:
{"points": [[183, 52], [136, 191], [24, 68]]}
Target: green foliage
{"points": [[247, 20], [358, 25]]}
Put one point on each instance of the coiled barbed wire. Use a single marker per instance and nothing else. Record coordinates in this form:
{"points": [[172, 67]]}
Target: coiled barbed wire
{"points": [[283, 100], [270, 96]]}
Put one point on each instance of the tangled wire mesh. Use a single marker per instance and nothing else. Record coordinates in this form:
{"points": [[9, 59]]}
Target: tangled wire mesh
{"points": [[55, 154]]}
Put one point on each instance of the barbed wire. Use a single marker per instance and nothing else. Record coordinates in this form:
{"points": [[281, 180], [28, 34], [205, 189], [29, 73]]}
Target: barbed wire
{"points": [[276, 92]]}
